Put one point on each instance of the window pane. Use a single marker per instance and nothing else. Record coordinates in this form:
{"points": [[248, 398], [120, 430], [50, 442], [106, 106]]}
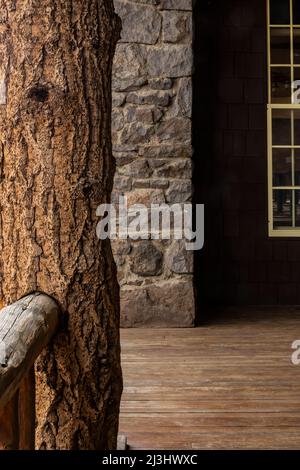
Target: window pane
{"points": [[282, 167], [282, 208], [297, 167], [297, 208], [296, 86], [296, 12], [297, 45], [280, 46], [280, 11], [281, 127], [296, 127], [297, 183], [281, 85]]}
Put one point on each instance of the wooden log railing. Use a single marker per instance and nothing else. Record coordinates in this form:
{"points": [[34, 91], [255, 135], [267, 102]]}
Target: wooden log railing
{"points": [[26, 327]]}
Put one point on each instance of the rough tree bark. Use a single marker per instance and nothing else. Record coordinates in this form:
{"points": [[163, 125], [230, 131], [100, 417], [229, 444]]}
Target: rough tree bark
{"points": [[55, 169]]}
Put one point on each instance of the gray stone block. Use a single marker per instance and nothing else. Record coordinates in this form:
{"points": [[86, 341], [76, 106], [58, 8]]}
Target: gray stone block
{"points": [[140, 23], [129, 67], [178, 259], [163, 304], [146, 259], [169, 61], [179, 191], [177, 27], [175, 129]]}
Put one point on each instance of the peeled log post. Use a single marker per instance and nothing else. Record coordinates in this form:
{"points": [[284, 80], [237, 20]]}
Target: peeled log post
{"points": [[26, 327], [56, 167]]}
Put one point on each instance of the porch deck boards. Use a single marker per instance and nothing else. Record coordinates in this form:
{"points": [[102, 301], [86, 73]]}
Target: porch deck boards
{"points": [[227, 385]]}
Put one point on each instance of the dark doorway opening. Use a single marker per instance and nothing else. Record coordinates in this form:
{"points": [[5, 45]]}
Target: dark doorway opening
{"points": [[239, 264]]}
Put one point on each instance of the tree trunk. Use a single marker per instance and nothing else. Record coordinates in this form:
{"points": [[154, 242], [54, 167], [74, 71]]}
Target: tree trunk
{"points": [[56, 167]]}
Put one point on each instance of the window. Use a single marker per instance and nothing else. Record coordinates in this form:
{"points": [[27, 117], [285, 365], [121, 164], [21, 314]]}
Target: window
{"points": [[284, 117]]}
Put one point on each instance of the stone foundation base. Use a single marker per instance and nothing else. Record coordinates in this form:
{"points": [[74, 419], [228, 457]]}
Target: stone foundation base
{"points": [[164, 304]]}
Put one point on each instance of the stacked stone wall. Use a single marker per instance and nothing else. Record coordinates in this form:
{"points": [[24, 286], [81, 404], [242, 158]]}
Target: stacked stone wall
{"points": [[151, 133]]}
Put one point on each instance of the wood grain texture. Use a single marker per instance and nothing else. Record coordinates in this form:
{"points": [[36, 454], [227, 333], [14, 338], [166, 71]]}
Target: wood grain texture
{"points": [[227, 385], [9, 425], [26, 327], [27, 412]]}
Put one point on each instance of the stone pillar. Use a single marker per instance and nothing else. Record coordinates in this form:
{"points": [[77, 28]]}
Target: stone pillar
{"points": [[152, 103]]}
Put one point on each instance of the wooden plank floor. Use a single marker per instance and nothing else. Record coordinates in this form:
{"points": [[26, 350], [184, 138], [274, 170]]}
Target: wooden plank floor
{"points": [[226, 385]]}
